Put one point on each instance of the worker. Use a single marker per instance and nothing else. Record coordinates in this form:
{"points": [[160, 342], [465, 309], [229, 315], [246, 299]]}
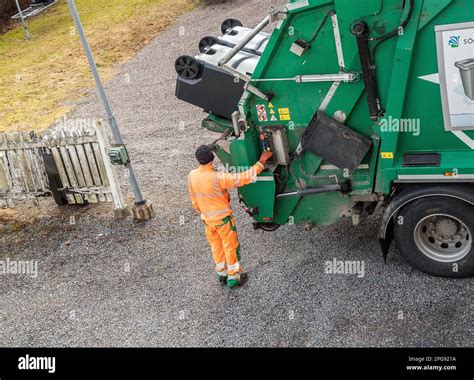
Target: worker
{"points": [[209, 194]]}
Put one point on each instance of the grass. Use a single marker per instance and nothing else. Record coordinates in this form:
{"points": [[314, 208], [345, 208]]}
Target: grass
{"points": [[41, 78]]}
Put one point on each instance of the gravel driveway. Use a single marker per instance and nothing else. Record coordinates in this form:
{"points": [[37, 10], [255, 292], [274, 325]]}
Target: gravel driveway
{"points": [[118, 283]]}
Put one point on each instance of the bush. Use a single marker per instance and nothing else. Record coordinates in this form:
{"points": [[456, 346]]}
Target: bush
{"points": [[8, 9]]}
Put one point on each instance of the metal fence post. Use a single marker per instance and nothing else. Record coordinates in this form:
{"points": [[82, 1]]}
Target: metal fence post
{"points": [[143, 209], [23, 21], [103, 141]]}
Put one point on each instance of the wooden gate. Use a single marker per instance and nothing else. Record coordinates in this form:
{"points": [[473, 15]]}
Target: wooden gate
{"points": [[71, 164]]}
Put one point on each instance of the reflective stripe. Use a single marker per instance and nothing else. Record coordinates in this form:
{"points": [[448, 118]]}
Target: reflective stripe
{"points": [[210, 214], [204, 195], [220, 266], [222, 273], [234, 268], [234, 277], [250, 175]]}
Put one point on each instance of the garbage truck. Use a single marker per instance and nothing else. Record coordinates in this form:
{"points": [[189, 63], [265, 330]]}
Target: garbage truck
{"points": [[365, 104]]}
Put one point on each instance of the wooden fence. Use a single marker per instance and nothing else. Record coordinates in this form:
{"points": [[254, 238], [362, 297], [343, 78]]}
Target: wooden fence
{"points": [[70, 164]]}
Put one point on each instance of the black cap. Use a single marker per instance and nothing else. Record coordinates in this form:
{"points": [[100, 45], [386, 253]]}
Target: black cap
{"points": [[204, 154]]}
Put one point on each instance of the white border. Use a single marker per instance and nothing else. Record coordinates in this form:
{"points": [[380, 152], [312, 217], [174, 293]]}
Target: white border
{"points": [[439, 29]]}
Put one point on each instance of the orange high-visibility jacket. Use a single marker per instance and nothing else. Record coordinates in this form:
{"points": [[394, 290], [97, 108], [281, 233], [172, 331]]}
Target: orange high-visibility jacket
{"points": [[208, 190]]}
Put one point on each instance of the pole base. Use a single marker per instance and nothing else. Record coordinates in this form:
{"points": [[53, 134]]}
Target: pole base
{"points": [[121, 213], [143, 212]]}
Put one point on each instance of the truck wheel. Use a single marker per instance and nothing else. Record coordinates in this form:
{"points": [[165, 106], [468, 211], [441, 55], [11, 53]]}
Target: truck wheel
{"points": [[435, 235]]}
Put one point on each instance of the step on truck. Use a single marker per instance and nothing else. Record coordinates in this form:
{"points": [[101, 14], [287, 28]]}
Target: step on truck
{"points": [[363, 103]]}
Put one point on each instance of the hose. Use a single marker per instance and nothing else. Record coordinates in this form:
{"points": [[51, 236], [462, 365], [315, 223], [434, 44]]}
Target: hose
{"points": [[394, 33], [384, 38], [320, 27]]}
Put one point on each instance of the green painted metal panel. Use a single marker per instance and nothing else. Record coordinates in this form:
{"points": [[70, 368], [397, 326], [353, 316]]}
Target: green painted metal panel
{"points": [[261, 196], [395, 103], [245, 152]]}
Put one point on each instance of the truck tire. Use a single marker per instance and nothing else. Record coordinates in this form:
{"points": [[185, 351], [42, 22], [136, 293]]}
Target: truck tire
{"points": [[434, 234]]}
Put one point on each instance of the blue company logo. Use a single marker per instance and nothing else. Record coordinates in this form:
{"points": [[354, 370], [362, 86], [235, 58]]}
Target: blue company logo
{"points": [[454, 41]]}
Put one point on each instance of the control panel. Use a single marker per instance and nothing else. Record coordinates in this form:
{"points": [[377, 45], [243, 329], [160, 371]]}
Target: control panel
{"points": [[273, 139]]}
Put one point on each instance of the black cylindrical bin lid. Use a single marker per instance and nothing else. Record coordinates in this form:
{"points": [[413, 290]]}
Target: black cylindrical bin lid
{"points": [[206, 43], [188, 67], [229, 24]]}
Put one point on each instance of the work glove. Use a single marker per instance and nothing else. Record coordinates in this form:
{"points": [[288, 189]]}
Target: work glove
{"points": [[265, 157]]}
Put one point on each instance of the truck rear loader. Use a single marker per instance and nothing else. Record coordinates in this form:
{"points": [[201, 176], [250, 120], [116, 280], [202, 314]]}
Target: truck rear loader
{"points": [[363, 103]]}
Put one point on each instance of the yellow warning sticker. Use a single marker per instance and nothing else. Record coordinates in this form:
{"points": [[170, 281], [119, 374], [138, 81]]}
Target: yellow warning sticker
{"points": [[270, 105], [387, 155], [285, 117], [272, 111], [283, 111]]}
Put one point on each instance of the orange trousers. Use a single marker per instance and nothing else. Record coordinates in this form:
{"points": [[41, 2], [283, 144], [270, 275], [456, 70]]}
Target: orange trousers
{"points": [[222, 236]]}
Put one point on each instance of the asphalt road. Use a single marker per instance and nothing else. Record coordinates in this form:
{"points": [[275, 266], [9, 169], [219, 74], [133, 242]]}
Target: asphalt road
{"points": [[118, 283]]}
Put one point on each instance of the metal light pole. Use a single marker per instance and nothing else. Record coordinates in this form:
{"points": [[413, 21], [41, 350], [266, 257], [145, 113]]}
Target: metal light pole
{"points": [[23, 21], [143, 209]]}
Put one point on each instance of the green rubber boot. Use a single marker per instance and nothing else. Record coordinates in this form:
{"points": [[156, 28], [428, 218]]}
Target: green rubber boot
{"points": [[238, 281]]}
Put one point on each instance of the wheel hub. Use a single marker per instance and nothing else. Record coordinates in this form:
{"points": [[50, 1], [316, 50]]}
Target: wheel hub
{"points": [[446, 228], [443, 238]]}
